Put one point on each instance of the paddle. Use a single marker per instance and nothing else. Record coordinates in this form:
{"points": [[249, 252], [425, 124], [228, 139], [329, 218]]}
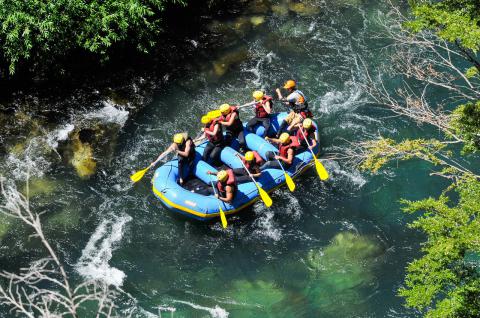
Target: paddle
{"points": [[222, 214], [288, 179], [263, 194], [321, 171], [137, 176]]}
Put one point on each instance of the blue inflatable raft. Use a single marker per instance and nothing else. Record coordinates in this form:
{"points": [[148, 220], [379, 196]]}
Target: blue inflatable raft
{"points": [[205, 207]]}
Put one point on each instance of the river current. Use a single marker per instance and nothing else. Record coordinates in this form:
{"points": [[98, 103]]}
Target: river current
{"points": [[334, 249]]}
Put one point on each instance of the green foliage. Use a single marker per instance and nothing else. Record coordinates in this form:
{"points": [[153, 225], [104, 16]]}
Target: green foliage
{"points": [[442, 281], [465, 123], [41, 29], [380, 152], [452, 20]]}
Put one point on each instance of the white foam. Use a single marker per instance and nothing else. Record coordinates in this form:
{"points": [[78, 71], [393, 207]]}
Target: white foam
{"points": [[59, 134], [93, 264], [266, 227], [256, 70], [216, 312], [348, 99], [110, 113]]}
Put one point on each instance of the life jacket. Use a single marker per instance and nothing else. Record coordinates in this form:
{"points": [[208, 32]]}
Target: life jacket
{"points": [[307, 133], [191, 154], [294, 144], [301, 105], [231, 181], [260, 111], [237, 123], [218, 137], [254, 164]]}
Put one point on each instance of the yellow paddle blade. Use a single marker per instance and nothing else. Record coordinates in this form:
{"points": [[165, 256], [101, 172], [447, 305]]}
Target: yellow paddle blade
{"points": [[322, 172], [265, 197], [223, 219], [214, 113], [290, 184], [137, 176]]}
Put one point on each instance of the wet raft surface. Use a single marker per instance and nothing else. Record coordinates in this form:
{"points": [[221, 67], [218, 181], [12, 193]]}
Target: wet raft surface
{"points": [[192, 199]]}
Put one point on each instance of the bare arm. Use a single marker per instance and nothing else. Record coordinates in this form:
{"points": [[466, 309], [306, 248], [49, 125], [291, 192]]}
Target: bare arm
{"points": [[185, 153], [289, 158], [164, 154], [279, 93], [229, 195], [230, 121], [214, 132], [267, 107], [274, 140]]}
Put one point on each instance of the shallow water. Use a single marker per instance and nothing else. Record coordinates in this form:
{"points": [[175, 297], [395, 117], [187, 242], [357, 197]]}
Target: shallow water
{"points": [[335, 249]]}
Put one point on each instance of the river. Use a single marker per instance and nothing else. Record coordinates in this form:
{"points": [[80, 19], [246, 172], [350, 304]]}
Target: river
{"points": [[334, 249]]}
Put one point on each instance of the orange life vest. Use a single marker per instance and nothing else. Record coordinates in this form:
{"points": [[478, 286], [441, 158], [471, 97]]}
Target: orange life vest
{"points": [[252, 165], [260, 111], [211, 127], [283, 149], [231, 181]]}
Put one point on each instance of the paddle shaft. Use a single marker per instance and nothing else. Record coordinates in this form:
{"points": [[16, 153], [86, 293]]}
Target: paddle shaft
{"points": [[245, 167], [306, 141]]}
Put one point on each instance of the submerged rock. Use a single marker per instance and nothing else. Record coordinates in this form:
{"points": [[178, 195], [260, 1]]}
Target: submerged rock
{"points": [[83, 160], [342, 272], [280, 9], [259, 6], [40, 187], [66, 220], [257, 298], [305, 7], [257, 20], [221, 66]]}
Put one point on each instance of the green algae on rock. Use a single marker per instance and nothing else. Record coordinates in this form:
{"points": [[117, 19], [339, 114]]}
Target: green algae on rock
{"points": [[341, 272], [256, 298]]}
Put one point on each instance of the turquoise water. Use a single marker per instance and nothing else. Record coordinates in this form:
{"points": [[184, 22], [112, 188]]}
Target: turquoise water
{"points": [[334, 249]]}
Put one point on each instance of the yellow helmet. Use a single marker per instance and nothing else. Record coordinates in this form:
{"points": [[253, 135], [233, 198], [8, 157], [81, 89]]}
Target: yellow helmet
{"points": [[222, 175], [225, 109], [249, 156], [178, 139], [206, 120], [284, 138], [289, 84], [258, 95], [307, 123]]}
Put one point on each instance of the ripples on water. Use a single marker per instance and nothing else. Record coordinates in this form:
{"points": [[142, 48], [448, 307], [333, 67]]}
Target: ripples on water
{"points": [[257, 267]]}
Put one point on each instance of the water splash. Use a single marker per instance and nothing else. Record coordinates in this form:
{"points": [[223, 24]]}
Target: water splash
{"points": [[216, 312], [93, 264], [110, 113]]}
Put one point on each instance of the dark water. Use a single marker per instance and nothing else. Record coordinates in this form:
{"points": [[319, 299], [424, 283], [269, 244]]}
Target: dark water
{"points": [[335, 249]]}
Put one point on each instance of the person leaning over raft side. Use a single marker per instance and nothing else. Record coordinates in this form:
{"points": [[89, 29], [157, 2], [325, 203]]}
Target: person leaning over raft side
{"points": [[226, 185], [263, 109], [185, 149], [298, 104], [231, 120], [287, 147], [213, 132], [306, 129], [252, 162]]}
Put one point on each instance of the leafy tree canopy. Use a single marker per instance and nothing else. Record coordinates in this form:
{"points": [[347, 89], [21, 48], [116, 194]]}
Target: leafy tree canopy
{"points": [[443, 280], [33, 30], [452, 20]]}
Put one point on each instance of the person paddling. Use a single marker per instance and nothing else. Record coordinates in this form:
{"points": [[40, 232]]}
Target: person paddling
{"points": [[226, 185], [252, 161], [287, 147], [263, 109], [213, 132], [306, 129], [298, 104], [185, 149], [234, 128]]}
